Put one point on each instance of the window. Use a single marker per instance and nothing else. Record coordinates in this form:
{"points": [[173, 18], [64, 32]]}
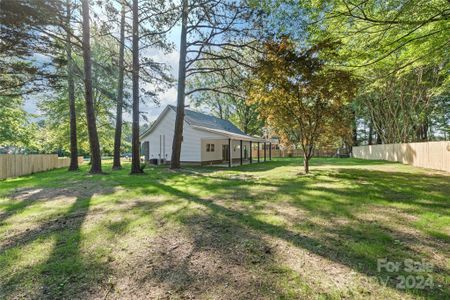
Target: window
{"points": [[212, 147], [209, 147]]}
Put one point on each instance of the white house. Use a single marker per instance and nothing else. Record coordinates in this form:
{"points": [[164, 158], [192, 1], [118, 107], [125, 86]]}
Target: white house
{"points": [[206, 140]]}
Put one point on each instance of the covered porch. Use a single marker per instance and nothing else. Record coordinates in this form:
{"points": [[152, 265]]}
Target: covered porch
{"points": [[236, 150]]}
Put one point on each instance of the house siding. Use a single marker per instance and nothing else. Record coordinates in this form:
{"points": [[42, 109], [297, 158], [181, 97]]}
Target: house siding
{"points": [[161, 137], [217, 154]]}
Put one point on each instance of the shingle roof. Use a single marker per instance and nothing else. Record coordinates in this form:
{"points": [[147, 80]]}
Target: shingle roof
{"points": [[200, 119], [209, 123]]}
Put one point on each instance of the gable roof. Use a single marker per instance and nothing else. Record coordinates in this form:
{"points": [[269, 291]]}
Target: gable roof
{"points": [[205, 122]]}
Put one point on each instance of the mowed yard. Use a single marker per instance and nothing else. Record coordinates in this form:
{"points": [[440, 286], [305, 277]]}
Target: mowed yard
{"points": [[261, 231]]}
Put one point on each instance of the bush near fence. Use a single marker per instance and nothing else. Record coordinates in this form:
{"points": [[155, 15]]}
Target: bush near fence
{"points": [[13, 165], [432, 155]]}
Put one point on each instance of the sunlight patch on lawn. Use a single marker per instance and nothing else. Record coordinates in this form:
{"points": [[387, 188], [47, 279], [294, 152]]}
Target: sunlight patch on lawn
{"points": [[26, 256], [270, 219], [285, 235], [435, 224], [21, 266]]}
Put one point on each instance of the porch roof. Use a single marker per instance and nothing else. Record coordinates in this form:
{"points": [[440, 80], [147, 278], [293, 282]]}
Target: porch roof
{"points": [[234, 136]]}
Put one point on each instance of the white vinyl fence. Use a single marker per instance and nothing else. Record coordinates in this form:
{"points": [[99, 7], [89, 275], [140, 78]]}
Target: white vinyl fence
{"points": [[13, 165], [432, 155]]}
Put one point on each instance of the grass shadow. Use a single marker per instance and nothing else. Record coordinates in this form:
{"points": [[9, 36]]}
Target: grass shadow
{"points": [[63, 270], [357, 245]]}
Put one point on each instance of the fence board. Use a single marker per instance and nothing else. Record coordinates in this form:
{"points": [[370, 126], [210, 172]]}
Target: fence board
{"points": [[13, 165], [432, 155], [293, 153]]}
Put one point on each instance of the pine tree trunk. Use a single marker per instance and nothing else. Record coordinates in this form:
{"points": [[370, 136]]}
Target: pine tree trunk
{"points": [[118, 132], [135, 144], [96, 163], [71, 91], [178, 133]]}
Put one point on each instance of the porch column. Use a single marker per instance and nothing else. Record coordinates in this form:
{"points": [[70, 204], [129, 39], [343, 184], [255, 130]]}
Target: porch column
{"points": [[229, 153], [265, 151], [258, 151], [240, 147], [270, 151], [251, 150]]}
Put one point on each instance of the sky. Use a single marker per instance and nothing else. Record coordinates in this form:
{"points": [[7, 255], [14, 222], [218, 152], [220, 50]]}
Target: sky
{"points": [[151, 110]]}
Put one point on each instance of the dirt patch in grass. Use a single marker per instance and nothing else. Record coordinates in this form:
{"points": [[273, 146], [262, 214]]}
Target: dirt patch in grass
{"points": [[205, 258], [179, 267]]}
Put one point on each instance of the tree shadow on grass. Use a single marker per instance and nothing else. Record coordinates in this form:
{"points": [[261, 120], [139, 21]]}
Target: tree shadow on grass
{"points": [[422, 192], [21, 199], [348, 162], [51, 178], [66, 271], [357, 245], [411, 193], [235, 237], [212, 257], [297, 161], [253, 167]]}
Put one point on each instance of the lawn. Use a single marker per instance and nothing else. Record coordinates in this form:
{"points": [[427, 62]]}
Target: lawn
{"points": [[261, 231]]}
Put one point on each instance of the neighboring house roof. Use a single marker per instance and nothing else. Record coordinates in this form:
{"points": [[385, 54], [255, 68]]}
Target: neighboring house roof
{"points": [[206, 122]]}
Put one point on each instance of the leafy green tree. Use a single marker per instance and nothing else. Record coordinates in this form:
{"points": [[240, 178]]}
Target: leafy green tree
{"points": [[401, 106], [151, 20], [135, 144], [16, 128], [224, 92], [120, 91], [96, 160], [412, 31], [440, 117], [29, 49], [301, 98], [207, 27], [371, 31], [55, 106], [71, 90], [390, 46]]}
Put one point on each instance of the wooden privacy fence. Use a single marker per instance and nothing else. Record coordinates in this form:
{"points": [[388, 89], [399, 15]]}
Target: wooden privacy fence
{"points": [[13, 165], [432, 155], [294, 153]]}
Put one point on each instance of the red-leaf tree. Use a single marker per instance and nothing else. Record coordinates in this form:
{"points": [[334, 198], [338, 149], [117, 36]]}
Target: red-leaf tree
{"points": [[299, 95]]}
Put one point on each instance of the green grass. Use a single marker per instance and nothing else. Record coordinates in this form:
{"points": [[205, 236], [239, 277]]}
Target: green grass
{"points": [[256, 231]]}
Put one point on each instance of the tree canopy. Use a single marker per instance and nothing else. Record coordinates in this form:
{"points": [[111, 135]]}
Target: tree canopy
{"points": [[316, 74], [300, 97]]}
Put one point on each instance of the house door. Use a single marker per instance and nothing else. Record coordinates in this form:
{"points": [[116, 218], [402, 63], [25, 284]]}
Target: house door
{"points": [[225, 153]]}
